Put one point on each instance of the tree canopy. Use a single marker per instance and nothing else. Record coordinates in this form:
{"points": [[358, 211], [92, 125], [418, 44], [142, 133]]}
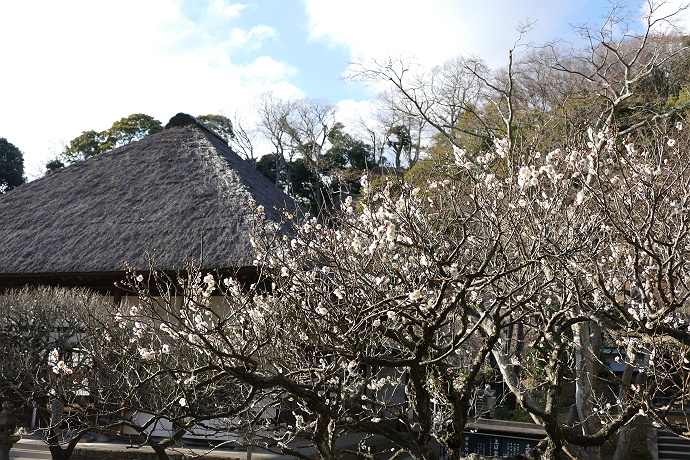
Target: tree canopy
{"points": [[91, 143], [11, 166], [128, 129], [221, 124]]}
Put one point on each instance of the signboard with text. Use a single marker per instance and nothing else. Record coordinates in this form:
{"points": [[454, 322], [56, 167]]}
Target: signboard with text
{"points": [[497, 445]]}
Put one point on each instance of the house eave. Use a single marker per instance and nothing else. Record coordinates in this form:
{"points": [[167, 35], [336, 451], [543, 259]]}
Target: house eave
{"points": [[107, 282]]}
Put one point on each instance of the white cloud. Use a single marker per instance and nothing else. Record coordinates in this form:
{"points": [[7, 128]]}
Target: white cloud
{"points": [[435, 30], [670, 13], [73, 66], [82, 64], [252, 38], [266, 69], [225, 8], [355, 115]]}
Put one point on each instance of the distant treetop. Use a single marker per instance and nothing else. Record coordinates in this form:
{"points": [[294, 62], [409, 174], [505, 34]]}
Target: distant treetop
{"points": [[11, 166]]}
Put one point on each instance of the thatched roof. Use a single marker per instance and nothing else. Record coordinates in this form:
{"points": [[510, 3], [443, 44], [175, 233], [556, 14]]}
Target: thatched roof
{"points": [[181, 193]]}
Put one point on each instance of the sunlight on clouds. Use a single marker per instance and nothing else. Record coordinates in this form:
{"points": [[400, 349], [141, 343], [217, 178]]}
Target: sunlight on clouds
{"points": [[671, 13], [225, 8], [267, 70], [436, 31], [82, 65], [281, 90], [252, 38], [265, 74], [387, 28], [355, 115]]}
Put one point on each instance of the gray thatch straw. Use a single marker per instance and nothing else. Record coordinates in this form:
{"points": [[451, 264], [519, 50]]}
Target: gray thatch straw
{"points": [[182, 193]]}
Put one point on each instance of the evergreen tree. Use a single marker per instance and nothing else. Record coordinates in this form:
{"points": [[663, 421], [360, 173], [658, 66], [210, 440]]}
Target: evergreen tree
{"points": [[11, 166]]}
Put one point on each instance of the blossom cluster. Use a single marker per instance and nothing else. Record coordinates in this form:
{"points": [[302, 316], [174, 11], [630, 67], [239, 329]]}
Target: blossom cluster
{"points": [[58, 365], [507, 258]]}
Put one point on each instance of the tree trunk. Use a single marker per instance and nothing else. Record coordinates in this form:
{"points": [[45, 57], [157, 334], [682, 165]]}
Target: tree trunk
{"points": [[53, 436], [323, 438], [160, 452], [420, 399], [624, 439], [57, 452], [586, 336]]}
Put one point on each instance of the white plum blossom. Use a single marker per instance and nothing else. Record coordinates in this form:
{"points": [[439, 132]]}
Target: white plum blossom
{"points": [[446, 266], [61, 367], [364, 182], [579, 198], [146, 353], [415, 295], [527, 176], [501, 146], [459, 155]]}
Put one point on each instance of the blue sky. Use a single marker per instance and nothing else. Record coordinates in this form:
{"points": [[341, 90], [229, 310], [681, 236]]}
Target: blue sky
{"points": [[76, 65]]}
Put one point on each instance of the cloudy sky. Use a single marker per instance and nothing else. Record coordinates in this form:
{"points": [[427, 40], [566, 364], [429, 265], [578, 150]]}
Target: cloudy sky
{"points": [[75, 65]]}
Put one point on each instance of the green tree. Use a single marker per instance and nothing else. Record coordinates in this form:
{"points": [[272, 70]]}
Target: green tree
{"points": [[302, 182], [220, 124], [347, 151], [296, 178], [439, 157], [129, 129], [86, 145], [11, 166], [53, 165], [267, 166], [345, 162], [400, 141], [91, 143]]}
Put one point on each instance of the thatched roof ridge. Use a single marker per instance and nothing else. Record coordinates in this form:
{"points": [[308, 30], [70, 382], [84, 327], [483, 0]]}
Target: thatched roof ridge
{"points": [[181, 193]]}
